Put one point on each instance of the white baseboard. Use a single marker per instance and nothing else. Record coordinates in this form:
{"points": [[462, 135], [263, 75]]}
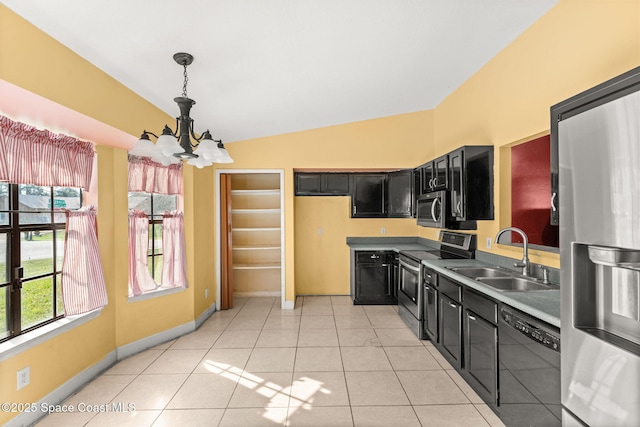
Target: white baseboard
{"points": [[63, 392], [289, 305]]}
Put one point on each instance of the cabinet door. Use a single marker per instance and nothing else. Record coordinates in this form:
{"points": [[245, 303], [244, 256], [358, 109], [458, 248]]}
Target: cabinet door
{"points": [[374, 278], [456, 174], [308, 183], [428, 176], [368, 196], [451, 330], [441, 173], [335, 183], [431, 312], [400, 194], [481, 356]]}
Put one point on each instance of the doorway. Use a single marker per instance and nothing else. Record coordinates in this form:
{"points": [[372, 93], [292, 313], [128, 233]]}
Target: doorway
{"points": [[251, 239]]}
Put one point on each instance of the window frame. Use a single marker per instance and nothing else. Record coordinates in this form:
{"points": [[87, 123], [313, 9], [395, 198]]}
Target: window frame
{"points": [[14, 292]]}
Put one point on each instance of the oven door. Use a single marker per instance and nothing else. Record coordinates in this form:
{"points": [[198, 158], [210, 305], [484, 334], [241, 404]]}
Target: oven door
{"points": [[409, 294], [432, 209]]}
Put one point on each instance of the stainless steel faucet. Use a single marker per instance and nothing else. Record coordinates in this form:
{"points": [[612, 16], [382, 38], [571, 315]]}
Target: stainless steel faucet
{"points": [[525, 256]]}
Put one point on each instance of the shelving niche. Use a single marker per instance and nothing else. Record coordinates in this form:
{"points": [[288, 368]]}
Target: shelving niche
{"points": [[256, 219]]}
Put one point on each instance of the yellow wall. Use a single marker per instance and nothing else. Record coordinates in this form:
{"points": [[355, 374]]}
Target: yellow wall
{"points": [[72, 82], [575, 46]]}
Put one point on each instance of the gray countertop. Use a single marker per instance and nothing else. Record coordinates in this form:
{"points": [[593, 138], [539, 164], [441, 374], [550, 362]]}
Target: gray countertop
{"points": [[544, 305]]}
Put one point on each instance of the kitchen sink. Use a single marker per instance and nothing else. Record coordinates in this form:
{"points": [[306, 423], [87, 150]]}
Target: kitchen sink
{"points": [[515, 284], [477, 272]]}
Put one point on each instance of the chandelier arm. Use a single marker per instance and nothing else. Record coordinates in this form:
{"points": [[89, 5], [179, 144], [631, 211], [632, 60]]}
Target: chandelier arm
{"points": [[193, 135], [150, 133]]}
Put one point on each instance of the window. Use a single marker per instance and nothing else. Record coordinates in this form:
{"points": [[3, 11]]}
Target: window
{"points": [[531, 193], [32, 235], [154, 205]]}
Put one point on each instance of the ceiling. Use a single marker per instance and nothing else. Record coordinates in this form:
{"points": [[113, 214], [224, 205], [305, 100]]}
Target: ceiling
{"points": [[265, 67]]}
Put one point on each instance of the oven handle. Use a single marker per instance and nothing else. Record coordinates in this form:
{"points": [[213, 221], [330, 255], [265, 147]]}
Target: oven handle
{"points": [[409, 266]]}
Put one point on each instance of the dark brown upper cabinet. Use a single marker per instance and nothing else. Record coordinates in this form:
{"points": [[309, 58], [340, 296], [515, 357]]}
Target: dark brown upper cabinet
{"points": [[471, 183], [322, 184]]}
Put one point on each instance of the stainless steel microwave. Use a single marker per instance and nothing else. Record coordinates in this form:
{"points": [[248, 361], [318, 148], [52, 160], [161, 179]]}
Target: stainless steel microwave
{"points": [[433, 209]]}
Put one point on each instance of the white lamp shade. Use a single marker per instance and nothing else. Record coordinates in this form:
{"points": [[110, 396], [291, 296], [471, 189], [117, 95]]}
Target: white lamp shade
{"points": [[226, 158], [207, 149], [199, 162], [168, 145], [143, 148]]}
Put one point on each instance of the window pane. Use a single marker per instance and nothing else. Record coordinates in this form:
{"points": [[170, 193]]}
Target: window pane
{"points": [[155, 239], [37, 301], [36, 199], [140, 202], [59, 239], [36, 252], [65, 198], [155, 268], [4, 262], [4, 303], [164, 202], [59, 304], [4, 203]]}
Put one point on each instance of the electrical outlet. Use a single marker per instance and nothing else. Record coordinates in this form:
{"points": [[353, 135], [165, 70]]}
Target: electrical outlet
{"points": [[24, 377], [206, 293], [320, 231], [488, 242], [383, 230]]}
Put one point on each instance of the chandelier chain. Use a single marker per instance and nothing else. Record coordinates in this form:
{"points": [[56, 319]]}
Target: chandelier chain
{"points": [[186, 79]]}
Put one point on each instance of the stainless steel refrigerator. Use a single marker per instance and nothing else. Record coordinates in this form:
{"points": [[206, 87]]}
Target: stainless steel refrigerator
{"points": [[597, 137]]}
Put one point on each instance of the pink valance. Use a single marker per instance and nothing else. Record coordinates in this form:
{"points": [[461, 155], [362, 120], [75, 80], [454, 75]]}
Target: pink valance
{"points": [[151, 177], [41, 157]]}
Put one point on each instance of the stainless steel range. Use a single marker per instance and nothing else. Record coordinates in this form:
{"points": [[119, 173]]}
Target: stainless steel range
{"points": [[410, 286]]}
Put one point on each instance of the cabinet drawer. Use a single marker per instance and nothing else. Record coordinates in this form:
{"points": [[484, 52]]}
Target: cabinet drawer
{"points": [[451, 289], [371, 256], [481, 305]]}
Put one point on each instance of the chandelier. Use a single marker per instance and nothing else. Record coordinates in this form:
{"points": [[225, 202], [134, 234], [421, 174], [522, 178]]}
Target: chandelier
{"points": [[175, 145]]}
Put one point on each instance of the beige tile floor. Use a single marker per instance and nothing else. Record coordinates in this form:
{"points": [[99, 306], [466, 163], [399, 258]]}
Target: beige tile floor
{"points": [[326, 363]]}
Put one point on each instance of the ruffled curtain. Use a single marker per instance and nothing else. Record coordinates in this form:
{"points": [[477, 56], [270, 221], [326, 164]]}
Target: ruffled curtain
{"points": [[174, 268], [150, 177], [40, 157], [83, 285], [140, 280]]}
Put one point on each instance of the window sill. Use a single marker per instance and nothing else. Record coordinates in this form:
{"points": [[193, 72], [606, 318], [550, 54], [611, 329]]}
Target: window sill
{"points": [[155, 293], [31, 339]]}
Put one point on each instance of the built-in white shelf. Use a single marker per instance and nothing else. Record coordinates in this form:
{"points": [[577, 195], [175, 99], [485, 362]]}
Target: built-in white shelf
{"points": [[260, 247], [270, 265], [256, 192], [257, 229], [256, 211]]}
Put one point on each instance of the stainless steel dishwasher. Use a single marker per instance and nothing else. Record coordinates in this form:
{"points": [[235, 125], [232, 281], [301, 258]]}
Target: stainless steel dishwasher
{"points": [[529, 370]]}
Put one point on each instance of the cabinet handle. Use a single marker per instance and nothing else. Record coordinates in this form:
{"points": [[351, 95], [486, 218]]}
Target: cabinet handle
{"points": [[459, 206], [355, 209], [374, 256], [452, 305], [553, 201], [433, 209], [471, 317]]}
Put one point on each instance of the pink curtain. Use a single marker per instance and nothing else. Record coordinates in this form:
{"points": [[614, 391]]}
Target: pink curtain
{"points": [[151, 177], [83, 284], [40, 157], [140, 281], [174, 266]]}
